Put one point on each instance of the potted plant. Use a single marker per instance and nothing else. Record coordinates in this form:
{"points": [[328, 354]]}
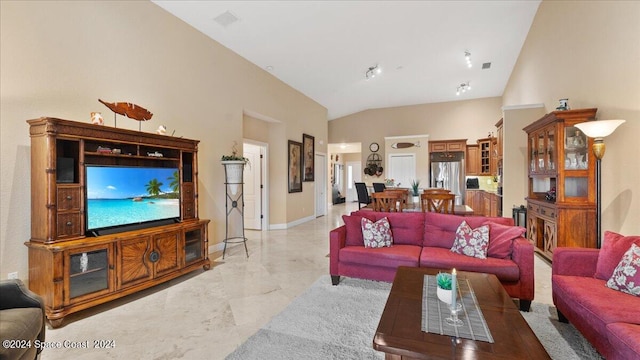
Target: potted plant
{"points": [[415, 187], [233, 168], [444, 287]]}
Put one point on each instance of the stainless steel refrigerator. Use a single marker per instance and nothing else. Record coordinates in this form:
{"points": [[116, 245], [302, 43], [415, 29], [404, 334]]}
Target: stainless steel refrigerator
{"points": [[447, 172]]}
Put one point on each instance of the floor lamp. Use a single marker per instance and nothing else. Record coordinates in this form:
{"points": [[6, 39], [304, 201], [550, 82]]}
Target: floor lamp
{"points": [[599, 130]]}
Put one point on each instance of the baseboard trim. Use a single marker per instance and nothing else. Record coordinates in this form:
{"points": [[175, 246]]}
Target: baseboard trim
{"points": [[291, 224]]}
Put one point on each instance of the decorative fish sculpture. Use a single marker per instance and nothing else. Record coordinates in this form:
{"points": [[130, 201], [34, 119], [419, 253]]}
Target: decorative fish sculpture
{"points": [[404, 145], [130, 110]]}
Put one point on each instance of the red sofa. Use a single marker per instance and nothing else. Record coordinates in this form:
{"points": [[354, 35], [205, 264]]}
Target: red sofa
{"points": [[607, 318], [425, 239]]}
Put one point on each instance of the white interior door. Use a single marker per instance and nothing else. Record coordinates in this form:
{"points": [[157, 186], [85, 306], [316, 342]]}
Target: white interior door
{"points": [[320, 178], [402, 169], [354, 174], [253, 188]]}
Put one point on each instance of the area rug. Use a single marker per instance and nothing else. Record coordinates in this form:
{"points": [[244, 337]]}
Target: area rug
{"points": [[338, 322]]}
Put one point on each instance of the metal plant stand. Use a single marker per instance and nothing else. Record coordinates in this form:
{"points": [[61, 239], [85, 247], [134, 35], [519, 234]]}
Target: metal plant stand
{"points": [[234, 187]]}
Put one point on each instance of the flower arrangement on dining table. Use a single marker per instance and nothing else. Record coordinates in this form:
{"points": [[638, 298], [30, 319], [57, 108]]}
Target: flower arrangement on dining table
{"points": [[389, 182]]}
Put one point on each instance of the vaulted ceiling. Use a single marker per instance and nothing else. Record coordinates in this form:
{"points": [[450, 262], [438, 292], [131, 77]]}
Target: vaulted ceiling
{"points": [[324, 48]]}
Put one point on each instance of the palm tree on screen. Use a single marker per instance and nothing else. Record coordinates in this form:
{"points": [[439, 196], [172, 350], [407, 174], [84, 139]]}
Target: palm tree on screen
{"points": [[153, 187], [175, 181]]}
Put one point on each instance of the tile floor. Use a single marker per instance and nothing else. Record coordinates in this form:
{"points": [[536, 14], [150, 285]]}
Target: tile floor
{"points": [[222, 306]]}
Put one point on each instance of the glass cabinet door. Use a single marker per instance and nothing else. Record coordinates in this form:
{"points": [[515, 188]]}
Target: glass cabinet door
{"points": [[575, 149], [532, 154], [551, 143], [88, 271], [541, 152]]}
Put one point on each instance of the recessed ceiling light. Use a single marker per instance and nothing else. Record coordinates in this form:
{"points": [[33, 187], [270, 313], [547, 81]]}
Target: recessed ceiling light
{"points": [[269, 68], [226, 18]]}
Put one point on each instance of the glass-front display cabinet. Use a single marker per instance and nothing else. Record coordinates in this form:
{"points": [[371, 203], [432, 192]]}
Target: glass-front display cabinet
{"points": [[561, 177]]}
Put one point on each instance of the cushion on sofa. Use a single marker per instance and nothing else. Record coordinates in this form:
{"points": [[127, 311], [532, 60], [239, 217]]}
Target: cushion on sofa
{"points": [[624, 338], [407, 228], [436, 257], [471, 242], [595, 301], [626, 276], [354, 229], [440, 229], [501, 239], [376, 234], [613, 247], [20, 324], [397, 255]]}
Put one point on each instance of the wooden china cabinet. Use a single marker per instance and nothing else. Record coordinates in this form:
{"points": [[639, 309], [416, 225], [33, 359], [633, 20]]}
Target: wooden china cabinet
{"points": [[561, 208], [72, 268]]}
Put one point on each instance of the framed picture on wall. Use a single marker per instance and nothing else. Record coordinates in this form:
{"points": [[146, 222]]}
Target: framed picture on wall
{"points": [[308, 148], [295, 166]]}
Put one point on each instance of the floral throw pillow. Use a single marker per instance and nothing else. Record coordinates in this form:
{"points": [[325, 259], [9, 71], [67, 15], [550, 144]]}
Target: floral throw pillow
{"points": [[626, 276], [376, 234], [471, 242]]}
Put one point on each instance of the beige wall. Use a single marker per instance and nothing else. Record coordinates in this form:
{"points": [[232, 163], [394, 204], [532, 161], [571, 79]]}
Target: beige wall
{"points": [[589, 52], [421, 154], [514, 159], [58, 58], [470, 119]]}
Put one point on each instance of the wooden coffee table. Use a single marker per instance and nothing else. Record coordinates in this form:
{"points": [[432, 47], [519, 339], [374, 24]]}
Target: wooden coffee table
{"points": [[399, 333]]}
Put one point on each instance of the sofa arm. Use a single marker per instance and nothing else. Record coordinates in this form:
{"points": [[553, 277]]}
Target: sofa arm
{"points": [[337, 240], [522, 255], [574, 261], [14, 294]]}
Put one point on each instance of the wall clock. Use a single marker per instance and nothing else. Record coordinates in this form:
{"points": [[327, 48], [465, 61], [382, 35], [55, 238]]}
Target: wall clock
{"points": [[374, 147]]}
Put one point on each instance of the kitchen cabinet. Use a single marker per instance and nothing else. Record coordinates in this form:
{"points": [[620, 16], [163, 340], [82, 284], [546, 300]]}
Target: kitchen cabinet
{"points": [[447, 145], [473, 160], [499, 139], [483, 203]]}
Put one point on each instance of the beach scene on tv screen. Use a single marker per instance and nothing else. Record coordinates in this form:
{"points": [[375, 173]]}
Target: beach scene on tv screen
{"points": [[127, 195]]}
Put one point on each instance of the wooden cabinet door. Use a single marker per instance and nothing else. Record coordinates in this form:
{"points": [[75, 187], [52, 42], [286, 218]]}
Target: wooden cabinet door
{"points": [[133, 263], [478, 207], [473, 160], [494, 204], [168, 247], [532, 229], [549, 238]]}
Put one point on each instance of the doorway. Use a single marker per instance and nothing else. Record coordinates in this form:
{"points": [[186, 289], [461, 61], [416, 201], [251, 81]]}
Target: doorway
{"points": [[354, 171], [320, 176], [255, 188]]}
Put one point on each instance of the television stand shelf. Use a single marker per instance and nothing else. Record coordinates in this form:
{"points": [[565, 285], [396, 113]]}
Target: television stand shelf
{"points": [[73, 266]]}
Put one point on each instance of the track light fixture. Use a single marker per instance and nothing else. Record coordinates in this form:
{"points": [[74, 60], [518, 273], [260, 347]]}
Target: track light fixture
{"points": [[464, 87], [372, 72], [467, 57]]}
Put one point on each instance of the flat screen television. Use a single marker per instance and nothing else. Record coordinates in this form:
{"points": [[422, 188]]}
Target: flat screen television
{"points": [[122, 198]]}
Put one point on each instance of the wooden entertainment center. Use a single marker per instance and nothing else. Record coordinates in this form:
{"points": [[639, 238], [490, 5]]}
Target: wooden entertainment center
{"points": [[74, 269]]}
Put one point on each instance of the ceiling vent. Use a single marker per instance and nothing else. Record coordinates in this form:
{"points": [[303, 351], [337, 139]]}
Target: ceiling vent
{"points": [[226, 18], [486, 65]]}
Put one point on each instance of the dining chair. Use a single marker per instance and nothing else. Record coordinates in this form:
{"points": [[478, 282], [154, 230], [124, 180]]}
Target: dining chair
{"points": [[379, 187], [387, 202], [363, 195], [440, 203], [436, 191], [403, 194]]}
